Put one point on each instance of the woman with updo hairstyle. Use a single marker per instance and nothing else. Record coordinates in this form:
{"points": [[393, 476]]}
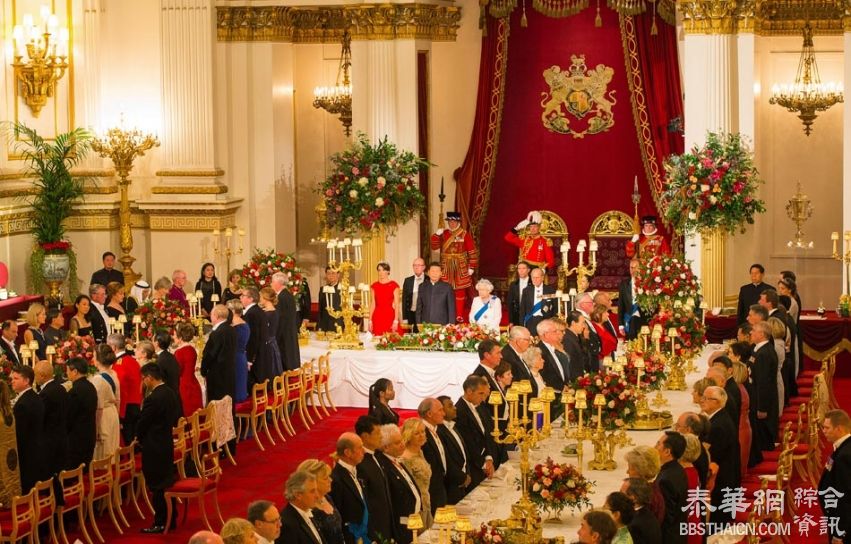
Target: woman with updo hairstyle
{"points": [[268, 354], [238, 531], [380, 395], [108, 389], [384, 306], [242, 334], [209, 285], [36, 317], [486, 309], [234, 287], [161, 288], [622, 509], [187, 359], [643, 462], [326, 517], [741, 375], [698, 388]]}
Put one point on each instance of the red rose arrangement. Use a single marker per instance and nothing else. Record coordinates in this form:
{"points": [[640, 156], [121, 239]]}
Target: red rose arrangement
{"points": [[663, 280], [618, 392], [654, 366], [6, 367], [56, 247], [264, 263], [159, 315], [487, 534], [556, 486], [453, 337], [74, 346], [692, 333]]}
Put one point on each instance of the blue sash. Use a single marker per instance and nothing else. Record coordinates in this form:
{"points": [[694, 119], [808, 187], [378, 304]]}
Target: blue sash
{"points": [[482, 311], [360, 531], [628, 317], [538, 305], [108, 379]]}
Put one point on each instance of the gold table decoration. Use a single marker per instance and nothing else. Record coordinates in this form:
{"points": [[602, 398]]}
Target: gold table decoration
{"points": [[230, 249], [645, 418], [605, 442], [676, 365], [344, 256], [415, 525], [581, 270], [844, 257]]}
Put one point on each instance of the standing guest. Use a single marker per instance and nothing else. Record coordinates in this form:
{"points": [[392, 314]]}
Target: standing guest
{"points": [[459, 259], [55, 430], [457, 471], [834, 488], [55, 332], [187, 359], [436, 300], [770, 300], [410, 293], [297, 521], [403, 491], [36, 317], [605, 299], [234, 287], [592, 341], [533, 361], [384, 304], [442, 479], [97, 314], [740, 374], [673, 484], [515, 289], [556, 370], [264, 516], [145, 353], [240, 328], [778, 340], [597, 527], [490, 354], [209, 285], [786, 287], [302, 304], [330, 292], [82, 414], [764, 401], [325, 514], [161, 289], [176, 293], [643, 462], [217, 361], [629, 312], [253, 316], [115, 306], [288, 322], [536, 302], [486, 310], [644, 526], [29, 424], [127, 369], [474, 430], [346, 490], [154, 431], [79, 324], [608, 340], [166, 360], [376, 490], [380, 395], [691, 423], [414, 437], [139, 294], [749, 293], [108, 273], [690, 455], [270, 356], [698, 388], [205, 537], [519, 340], [622, 509], [575, 346], [8, 334], [503, 376], [724, 366], [107, 421]]}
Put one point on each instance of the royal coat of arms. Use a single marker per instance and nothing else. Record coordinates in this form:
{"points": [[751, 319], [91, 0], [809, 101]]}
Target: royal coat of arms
{"points": [[580, 92]]}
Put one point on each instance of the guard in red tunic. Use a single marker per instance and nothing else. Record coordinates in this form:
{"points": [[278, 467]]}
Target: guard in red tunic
{"points": [[459, 259], [650, 243], [535, 249]]}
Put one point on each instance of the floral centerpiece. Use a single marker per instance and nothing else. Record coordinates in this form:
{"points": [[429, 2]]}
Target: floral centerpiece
{"points": [[487, 534], [713, 187], [556, 486], [620, 396], [452, 337], [74, 346], [161, 314], [6, 367], [663, 280], [654, 366], [844, 308], [265, 262], [371, 186], [691, 332]]}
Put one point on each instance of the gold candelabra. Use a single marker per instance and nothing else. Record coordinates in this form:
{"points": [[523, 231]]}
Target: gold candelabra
{"points": [[844, 257], [605, 442], [122, 147], [196, 314], [799, 209], [344, 256], [582, 271], [39, 64], [229, 249], [676, 365]]}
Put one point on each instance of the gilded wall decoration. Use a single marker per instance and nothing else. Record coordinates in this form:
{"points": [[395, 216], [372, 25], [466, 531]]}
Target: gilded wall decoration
{"points": [[581, 92]]}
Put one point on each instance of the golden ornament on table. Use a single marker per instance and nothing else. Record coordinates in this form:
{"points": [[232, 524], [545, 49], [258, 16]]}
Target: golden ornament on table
{"points": [[344, 256]]}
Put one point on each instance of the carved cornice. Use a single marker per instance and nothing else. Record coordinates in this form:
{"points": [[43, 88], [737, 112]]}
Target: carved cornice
{"points": [[765, 17], [20, 192], [325, 24], [211, 173], [189, 189], [708, 16]]}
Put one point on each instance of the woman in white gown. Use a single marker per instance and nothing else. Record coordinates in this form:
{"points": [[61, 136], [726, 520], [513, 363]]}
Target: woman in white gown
{"points": [[109, 396], [486, 310]]}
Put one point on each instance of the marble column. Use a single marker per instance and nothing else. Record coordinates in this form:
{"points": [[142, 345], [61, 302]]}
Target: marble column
{"points": [[846, 155]]}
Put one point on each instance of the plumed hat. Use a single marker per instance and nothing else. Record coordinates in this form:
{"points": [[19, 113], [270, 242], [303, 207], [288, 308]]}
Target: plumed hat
{"points": [[534, 217], [453, 216]]}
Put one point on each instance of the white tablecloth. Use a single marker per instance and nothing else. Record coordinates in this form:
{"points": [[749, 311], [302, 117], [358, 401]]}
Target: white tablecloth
{"points": [[415, 374]]}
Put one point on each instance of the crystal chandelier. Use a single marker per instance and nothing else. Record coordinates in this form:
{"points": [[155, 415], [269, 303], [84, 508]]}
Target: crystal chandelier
{"points": [[337, 100], [808, 94]]}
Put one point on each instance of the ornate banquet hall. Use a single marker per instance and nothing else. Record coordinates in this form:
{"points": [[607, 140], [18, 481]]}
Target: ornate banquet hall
{"points": [[369, 199]]}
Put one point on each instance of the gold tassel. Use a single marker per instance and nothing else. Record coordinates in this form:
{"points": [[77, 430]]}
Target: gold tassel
{"points": [[523, 21], [598, 21], [654, 30]]}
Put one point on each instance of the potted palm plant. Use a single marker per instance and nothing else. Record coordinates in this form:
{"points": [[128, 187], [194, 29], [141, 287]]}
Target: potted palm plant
{"points": [[56, 192]]}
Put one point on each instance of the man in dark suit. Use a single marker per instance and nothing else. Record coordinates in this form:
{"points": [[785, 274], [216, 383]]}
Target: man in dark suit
{"points": [[724, 446], [673, 484], [159, 415], [107, 274], [535, 304], [55, 430], [696, 424], [629, 312], [574, 347], [556, 370], [457, 474], [297, 525], [371, 475], [490, 355], [770, 300], [764, 403], [519, 340], [834, 488], [403, 490], [515, 290], [266, 519], [29, 424], [644, 526], [478, 442], [749, 293], [347, 493], [97, 313], [288, 323], [436, 299], [302, 304], [410, 293], [593, 344], [724, 367], [82, 408], [219, 358], [7, 341], [253, 316], [330, 293], [167, 362], [431, 412]]}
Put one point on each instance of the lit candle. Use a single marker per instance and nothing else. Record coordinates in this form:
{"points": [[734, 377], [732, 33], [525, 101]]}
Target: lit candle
{"points": [[137, 320], [214, 298], [495, 399], [50, 351]]}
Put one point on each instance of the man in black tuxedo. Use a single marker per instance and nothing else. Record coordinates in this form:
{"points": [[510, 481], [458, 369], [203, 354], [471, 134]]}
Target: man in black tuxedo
{"points": [[515, 290], [302, 304], [29, 428], [107, 274], [556, 371], [436, 300], [347, 493], [479, 445], [644, 526], [534, 306], [403, 490], [410, 293], [168, 364], [629, 312], [55, 430], [443, 476], [159, 415], [297, 525], [593, 344], [288, 323], [97, 313], [371, 475], [330, 292], [764, 407], [696, 424], [82, 408], [749, 293], [724, 447], [519, 340], [254, 318], [574, 347], [770, 300], [724, 368], [673, 484], [490, 355], [218, 361], [834, 488], [457, 474], [7, 341]]}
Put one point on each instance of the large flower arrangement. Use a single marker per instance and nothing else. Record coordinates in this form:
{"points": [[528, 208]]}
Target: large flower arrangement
{"points": [[487, 534], [161, 314], [460, 337], [74, 346], [556, 486], [692, 333], [370, 186], [713, 187], [663, 280], [620, 398], [265, 262], [654, 366]]}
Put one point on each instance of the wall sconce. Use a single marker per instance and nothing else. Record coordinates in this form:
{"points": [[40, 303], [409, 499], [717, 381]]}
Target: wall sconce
{"points": [[39, 62]]}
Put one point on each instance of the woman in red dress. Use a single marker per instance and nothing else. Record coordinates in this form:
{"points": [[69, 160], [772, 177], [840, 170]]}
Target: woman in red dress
{"points": [[608, 343], [190, 389], [694, 515], [384, 306]]}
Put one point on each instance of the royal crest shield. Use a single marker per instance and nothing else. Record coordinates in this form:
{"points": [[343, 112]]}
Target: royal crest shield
{"points": [[579, 92]]}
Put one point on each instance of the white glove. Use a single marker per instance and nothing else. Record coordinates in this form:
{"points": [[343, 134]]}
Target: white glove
{"points": [[634, 238], [522, 225], [439, 231], [469, 271]]}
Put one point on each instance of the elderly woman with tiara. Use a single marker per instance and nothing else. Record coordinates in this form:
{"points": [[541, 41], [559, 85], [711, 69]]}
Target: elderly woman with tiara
{"points": [[486, 310]]}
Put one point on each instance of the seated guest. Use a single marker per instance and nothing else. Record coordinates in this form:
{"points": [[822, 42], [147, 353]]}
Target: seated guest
{"points": [[380, 395], [723, 448], [55, 332], [608, 340], [168, 364], [234, 287], [8, 335], [326, 517], [404, 493], [330, 293], [414, 437], [139, 294], [108, 273], [242, 332], [106, 384], [691, 423], [28, 409], [378, 502], [475, 431], [187, 359], [209, 285], [644, 526], [622, 509], [486, 310], [297, 523], [264, 516], [79, 324], [519, 340], [81, 417], [55, 430], [597, 527], [176, 293], [436, 300], [238, 531], [128, 370], [346, 491], [456, 455], [36, 317], [643, 462], [161, 289], [673, 484]]}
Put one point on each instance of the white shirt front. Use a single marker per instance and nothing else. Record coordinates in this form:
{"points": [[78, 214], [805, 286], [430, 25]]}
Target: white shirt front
{"points": [[354, 474], [101, 310], [431, 428], [308, 518], [555, 357], [522, 283], [450, 426], [418, 505], [418, 280]]}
